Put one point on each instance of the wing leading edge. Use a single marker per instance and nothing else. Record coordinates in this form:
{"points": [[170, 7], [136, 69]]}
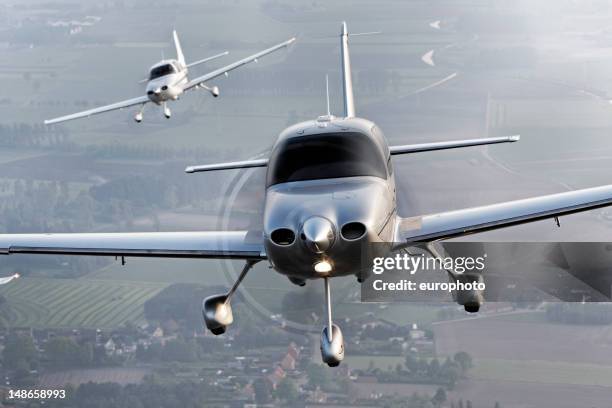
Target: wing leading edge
{"points": [[428, 147], [210, 244], [224, 70], [479, 219], [119, 105], [246, 164]]}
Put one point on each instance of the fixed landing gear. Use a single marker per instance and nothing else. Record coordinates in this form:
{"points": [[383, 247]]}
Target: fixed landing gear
{"points": [[471, 300], [214, 91], [217, 310], [167, 112], [472, 307], [139, 115], [297, 281], [332, 341]]}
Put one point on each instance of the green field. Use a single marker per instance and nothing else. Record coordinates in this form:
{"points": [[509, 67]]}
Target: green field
{"points": [[115, 294], [38, 303], [533, 371], [381, 362], [402, 314], [162, 271], [548, 372]]}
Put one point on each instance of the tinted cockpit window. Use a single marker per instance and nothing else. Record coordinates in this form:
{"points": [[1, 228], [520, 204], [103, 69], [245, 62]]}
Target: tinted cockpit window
{"points": [[329, 155], [161, 71]]}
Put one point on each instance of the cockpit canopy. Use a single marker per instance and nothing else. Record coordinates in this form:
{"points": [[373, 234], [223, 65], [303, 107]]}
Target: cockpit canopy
{"points": [[328, 155], [162, 70]]}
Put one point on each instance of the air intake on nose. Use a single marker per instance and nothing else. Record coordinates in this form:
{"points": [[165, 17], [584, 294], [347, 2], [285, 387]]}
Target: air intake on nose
{"points": [[353, 231], [282, 236]]}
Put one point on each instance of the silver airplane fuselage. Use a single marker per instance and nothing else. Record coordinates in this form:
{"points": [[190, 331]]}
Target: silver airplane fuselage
{"points": [[309, 219], [166, 81]]}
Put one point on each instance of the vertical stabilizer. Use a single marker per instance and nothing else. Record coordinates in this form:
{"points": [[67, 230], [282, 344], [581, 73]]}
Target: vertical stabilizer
{"points": [[179, 51], [347, 81]]}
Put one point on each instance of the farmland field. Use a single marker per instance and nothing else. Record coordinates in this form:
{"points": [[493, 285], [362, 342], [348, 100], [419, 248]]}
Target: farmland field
{"points": [[500, 338], [381, 362], [537, 371], [162, 271], [98, 375], [38, 303]]}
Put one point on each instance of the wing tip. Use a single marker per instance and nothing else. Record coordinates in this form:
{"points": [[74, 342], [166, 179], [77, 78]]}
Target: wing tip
{"points": [[289, 42], [514, 138]]}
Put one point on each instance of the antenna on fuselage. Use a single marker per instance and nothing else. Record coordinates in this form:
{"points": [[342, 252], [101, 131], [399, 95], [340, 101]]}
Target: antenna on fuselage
{"points": [[327, 93], [323, 120]]}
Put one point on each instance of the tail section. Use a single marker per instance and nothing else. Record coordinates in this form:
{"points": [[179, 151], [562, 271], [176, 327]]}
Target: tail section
{"points": [[347, 80], [179, 51]]}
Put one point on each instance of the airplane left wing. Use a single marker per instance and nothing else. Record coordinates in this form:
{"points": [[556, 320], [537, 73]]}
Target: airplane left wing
{"points": [[246, 164], [479, 219], [210, 244], [224, 70], [119, 105]]}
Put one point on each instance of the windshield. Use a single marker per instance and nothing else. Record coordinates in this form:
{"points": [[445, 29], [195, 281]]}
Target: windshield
{"points": [[161, 70], [324, 156]]}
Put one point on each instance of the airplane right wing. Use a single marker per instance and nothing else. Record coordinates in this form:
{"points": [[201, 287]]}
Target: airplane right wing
{"points": [[224, 70], [210, 244], [119, 105], [207, 59], [428, 147], [457, 223]]}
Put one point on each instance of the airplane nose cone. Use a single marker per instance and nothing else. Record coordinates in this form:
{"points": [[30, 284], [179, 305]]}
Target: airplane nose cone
{"points": [[318, 233], [157, 91]]}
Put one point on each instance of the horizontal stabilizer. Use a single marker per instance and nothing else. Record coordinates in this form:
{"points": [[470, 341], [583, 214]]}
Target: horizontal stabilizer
{"points": [[246, 164], [427, 147]]}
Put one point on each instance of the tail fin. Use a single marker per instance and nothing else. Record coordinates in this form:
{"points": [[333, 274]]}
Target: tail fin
{"points": [[179, 51], [347, 81]]}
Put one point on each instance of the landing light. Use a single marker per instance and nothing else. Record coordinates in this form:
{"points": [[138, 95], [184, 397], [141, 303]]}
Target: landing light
{"points": [[323, 267]]}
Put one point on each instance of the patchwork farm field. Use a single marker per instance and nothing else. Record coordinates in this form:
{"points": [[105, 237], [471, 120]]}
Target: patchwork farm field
{"points": [[121, 375], [55, 303], [537, 371]]}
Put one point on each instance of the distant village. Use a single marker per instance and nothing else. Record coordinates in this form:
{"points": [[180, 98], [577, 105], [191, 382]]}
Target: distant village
{"points": [[229, 369]]}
